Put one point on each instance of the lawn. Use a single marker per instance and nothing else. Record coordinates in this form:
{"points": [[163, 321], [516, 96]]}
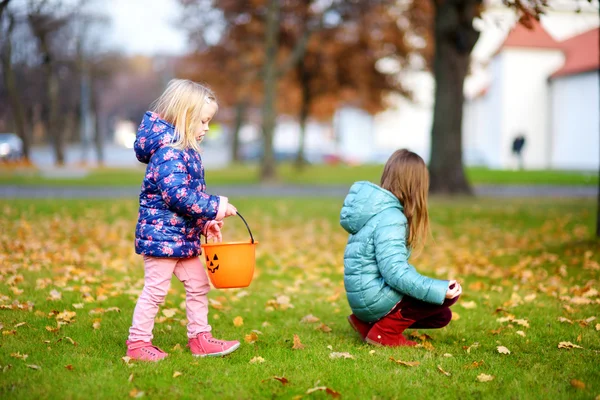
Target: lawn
{"points": [[314, 174], [69, 280]]}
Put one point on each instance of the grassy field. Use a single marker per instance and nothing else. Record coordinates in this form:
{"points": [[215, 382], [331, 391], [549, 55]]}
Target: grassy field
{"points": [[314, 174], [69, 280]]}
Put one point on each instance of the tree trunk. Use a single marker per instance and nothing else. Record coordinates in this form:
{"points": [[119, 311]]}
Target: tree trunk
{"points": [[97, 131], [240, 114], [12, 91], [304, 111], [455, 37], [52, 92], [269, 116]]}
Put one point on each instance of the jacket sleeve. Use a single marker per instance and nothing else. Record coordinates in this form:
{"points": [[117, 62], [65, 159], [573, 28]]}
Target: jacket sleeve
{"points": [[392, 259], [173, 183]]}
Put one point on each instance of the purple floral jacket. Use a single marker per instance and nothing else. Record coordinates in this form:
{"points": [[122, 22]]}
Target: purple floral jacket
{"points": [[173, 204]]}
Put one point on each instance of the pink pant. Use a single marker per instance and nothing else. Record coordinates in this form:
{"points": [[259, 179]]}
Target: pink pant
{"points": [[157, 279]]}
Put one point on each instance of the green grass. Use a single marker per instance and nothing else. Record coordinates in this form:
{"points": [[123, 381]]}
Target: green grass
{"points": [[503, 252], [312, 175]]}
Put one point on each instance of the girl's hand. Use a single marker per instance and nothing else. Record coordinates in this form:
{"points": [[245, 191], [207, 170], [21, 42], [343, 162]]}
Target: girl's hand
{"points": [[231, 210], [454, 290], [212, 231]]}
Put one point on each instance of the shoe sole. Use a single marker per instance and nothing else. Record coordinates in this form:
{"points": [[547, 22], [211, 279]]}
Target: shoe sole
{"points": [[372, 342], [219, 354]]}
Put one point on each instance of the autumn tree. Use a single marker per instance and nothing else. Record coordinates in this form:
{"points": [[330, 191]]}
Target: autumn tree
{"points": [[340, 66], [231, 64]]}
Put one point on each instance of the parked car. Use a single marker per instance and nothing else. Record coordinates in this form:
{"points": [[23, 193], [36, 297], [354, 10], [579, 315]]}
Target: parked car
{"points": [[11, 147]]}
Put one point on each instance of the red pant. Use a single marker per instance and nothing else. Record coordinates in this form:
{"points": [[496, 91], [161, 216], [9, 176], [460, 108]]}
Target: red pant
{"points": [[425, 315]]}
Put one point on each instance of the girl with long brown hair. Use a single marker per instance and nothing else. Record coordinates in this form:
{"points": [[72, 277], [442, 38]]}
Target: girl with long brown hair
{"points": [[386, 294]]}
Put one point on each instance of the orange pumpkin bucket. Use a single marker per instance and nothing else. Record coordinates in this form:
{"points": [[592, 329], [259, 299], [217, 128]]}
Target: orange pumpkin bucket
{"points": [[231, 264]]}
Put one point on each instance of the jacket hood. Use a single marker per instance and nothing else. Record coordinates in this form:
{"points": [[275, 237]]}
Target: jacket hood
{"points": [[363, 202], [152, 134]]}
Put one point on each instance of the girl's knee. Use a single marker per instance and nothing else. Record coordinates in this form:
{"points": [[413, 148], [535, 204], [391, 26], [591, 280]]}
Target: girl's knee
{"points": [[197, 288]]}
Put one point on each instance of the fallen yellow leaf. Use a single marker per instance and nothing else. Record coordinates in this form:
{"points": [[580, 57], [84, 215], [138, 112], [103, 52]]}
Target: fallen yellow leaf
{"points": [[135, 393], [577, 384], [297, 344], [468, 304], [257, 359], [309, 319], [252, 337], [439, 367], [405, 363], [176, 374], [485, 378], [568, 345], [335, 355], [238, 321]]}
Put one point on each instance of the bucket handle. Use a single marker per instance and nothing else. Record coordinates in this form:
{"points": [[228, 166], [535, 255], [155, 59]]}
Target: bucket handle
{"points": [[245, 223]]}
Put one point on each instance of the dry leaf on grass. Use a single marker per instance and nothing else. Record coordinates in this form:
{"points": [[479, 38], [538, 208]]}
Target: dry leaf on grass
{"points": [[439, 367], [169, 312], [577, 384], [238, 321], [69, 367], [136, 394], [126, 359], [563, 319], [257, 360], [485, 378], [471, 347], [468, 304], [323, 328], [283, 380], [33, 366], [309, 319], [297, 344], [20, 324], [250, 338], [503, 350], [325, 389], [405, 363], [335, 355], [19, 355], [176, 374], [568, 345]]}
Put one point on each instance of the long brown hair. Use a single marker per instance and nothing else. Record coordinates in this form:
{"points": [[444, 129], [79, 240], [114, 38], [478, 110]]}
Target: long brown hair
{"points": [[405, 175]]}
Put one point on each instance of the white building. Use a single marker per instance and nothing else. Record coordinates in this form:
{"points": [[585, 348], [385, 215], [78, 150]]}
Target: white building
{"points": [[544, 90], [508, 93]]}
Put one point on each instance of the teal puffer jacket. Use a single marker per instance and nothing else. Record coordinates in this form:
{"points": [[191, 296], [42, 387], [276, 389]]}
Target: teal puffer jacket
{"points": [[376, 270]]}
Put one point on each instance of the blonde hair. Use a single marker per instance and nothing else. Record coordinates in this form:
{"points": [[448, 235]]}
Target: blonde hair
{"points": [[180, 105], [405, 175]]}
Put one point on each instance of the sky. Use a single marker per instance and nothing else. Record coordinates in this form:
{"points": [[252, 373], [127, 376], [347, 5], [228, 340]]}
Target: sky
{"points": [[145, 26]]}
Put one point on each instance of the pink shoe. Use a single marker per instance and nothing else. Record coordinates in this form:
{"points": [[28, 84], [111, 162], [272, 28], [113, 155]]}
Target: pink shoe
{"points": [[144, 351], [205, 345]]}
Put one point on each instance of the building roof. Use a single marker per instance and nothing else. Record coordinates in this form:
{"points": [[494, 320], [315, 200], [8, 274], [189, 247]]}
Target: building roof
{"points": [[536, 37], [582, 54]]}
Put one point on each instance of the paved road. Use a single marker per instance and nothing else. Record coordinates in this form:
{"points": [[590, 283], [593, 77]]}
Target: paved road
{"points": [[506, 191]]}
